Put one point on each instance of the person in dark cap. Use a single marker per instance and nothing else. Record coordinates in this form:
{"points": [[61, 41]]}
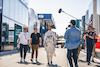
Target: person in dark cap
{"points": [[89, 37], [73, 37]]}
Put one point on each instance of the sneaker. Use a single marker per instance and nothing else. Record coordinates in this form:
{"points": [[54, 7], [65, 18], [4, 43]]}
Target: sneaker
{"points": [[92, 60], [36, 60], [76, 65], [24, 60], [48, 62], [88, 63], [31, 60], [21, 60], [51, 62]]}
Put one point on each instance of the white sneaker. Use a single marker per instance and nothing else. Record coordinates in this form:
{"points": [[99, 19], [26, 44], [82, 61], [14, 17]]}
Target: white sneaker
{"points": [[24, 60], [21, 60]]}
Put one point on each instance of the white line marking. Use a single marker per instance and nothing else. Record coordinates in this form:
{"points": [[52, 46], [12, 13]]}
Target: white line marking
{"points": [[67, 59], [94, 58]]}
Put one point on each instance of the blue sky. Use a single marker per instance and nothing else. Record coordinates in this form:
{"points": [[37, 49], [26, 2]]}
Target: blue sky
{"points": [[76, 8]]}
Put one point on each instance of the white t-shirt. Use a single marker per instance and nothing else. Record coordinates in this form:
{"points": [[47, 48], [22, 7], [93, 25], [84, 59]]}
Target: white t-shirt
{"points": [[3, 39], [24, 37]]}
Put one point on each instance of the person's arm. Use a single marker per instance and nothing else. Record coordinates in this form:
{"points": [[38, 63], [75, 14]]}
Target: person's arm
{"points": [[92, 37], [19, 38], [84, 37], [30, 42], [40, 41], [18, 41], [96, 34], [66, 35], [44, 39], [54, 39]]}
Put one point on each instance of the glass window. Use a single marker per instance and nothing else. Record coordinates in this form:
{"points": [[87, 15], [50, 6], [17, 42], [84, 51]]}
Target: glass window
{"points": [[11, 25], [12, 9], [16, 10], [5, 27], [26, 21], [6, 7], [0, 4], [24, 11], [20, 11], [11, 36]]}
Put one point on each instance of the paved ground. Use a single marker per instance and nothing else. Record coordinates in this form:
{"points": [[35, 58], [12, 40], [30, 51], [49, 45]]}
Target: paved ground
{"points": [[12, 59]]}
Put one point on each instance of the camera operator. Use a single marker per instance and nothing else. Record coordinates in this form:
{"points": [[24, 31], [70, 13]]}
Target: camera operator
{"points": [[89, 37]]}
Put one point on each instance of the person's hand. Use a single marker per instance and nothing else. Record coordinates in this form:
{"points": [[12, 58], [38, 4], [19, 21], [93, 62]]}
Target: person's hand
{"points": [[54, 45], [17, 44], [43, 45], [29, 45], [86, 34], [40, 44]]}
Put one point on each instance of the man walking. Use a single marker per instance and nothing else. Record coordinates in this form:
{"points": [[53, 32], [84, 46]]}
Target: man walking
{"points": [[89, 37], [3, 42], [72, 37], [23, 41], [50, 43], [35, 40]]}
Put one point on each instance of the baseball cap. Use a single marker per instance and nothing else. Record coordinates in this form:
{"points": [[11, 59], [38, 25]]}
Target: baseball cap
{"points": [[25, 27]]}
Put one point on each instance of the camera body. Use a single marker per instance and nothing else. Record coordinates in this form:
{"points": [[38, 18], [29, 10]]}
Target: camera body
{"points": [[85, 32]]}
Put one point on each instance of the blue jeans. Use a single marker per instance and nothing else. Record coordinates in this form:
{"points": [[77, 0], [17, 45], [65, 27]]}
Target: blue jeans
{"points": [[72, 53], [25, 47]]}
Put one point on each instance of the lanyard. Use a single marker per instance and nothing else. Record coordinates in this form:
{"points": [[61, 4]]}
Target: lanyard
{"points": [[25, 35]]}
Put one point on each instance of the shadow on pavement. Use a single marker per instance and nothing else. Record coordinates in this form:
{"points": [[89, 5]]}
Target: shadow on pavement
{"points": [[96, 62], [82, 61], [38, 63], [52, 65], [26, 63], [97, 65], [8, 52]]}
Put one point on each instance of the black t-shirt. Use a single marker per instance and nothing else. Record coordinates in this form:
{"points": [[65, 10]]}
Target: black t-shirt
{"points": [[35, 38], [89, 40]]}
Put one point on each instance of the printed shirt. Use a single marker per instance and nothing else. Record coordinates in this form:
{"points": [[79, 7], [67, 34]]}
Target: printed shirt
{"points": [[89, 40], [50, 37], [35, 38]]}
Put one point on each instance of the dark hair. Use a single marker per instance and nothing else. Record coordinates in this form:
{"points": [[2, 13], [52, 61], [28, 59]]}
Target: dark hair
{"points": [[73, 22], [35, 28]]}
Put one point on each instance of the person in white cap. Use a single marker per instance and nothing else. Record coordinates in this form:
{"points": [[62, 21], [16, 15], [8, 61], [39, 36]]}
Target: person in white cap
{"points": [[50, 43], [23, 41]]}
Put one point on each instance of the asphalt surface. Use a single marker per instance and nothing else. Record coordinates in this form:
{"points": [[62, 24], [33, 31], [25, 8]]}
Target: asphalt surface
{"points": [[12, 59]]}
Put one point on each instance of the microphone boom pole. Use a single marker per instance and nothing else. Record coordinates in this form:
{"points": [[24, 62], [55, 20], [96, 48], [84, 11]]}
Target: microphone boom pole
{"points": [[60, 10]]}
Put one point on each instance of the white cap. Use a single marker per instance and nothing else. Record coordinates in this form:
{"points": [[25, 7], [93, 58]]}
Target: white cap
{"points": [[25, 26]]}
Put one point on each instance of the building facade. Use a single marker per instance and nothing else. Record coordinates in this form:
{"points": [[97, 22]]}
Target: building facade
{"points": [[92, 17], [94, 12], [14, 15], [98, 12]]}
